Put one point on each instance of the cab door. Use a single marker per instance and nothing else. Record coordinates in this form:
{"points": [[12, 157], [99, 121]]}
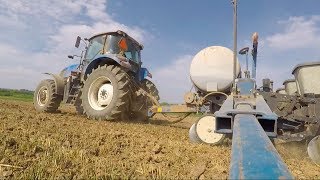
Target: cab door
{"points": [[133, 54]]}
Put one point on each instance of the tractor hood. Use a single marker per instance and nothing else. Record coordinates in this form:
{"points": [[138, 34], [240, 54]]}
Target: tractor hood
{"points": [[67, 71]]}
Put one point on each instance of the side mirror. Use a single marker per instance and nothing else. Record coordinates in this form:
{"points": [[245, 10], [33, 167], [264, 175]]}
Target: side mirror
{"points": [[78, 42], [71, 57]]}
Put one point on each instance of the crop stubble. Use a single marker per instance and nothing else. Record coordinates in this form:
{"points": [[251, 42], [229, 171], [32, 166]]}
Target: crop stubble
{"points": [[66, 145]]}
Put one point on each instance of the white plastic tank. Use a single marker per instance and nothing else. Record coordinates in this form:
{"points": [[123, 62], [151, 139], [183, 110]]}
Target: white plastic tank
{"points": [[281, 91], [307, 76], [212, 69], [290, 86]]}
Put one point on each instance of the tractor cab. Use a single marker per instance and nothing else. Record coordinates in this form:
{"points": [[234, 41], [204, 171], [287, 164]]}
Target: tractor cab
{"points": [[112, 44]]}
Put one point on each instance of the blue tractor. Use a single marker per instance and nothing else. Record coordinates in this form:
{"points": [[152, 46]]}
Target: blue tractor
{"points": [[108, 83]]}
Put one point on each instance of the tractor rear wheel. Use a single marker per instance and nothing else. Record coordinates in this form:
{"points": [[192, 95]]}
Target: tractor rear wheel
{"points": [[105, 93], [45, 97], [150, 88]]}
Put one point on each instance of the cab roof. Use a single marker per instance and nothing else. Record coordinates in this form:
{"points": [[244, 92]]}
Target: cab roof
{"points": [[121, 33]]}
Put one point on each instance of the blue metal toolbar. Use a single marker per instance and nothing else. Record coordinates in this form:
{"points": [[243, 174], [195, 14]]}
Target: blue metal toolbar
{"points": [[253, 154]]}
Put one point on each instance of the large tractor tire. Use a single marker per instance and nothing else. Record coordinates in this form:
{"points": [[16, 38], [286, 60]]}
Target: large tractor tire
{"points": [[45, 97], [105, 93], [150, 88]]}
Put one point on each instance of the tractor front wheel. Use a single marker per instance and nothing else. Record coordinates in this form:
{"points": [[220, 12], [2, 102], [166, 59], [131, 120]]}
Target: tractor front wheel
{"points": [[45, 98]]}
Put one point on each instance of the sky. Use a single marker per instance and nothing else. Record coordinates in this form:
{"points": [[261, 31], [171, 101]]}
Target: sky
{"points": [[36, 36]]}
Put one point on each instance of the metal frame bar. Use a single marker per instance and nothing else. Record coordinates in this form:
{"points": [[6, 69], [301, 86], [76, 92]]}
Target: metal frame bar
{"points": [[253, 154]]}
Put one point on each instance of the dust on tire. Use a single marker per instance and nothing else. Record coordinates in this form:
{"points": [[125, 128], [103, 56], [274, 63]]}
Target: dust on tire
{"points": [[119, 103], [52, 99], [150, 88]]}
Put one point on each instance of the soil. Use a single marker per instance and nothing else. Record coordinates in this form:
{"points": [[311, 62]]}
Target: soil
{"points": [[66, 145]]}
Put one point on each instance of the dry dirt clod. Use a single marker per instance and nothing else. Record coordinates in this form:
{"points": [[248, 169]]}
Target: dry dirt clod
{"points": [[198, 170], [67, 164], [7, 173], [101, 143], [118, 134], [156, 159], [11, 142], [157, 149], [37, 149], [297, 172], [3, 160], [67, 144], [201, 177], [95, 151], [149, 158]]}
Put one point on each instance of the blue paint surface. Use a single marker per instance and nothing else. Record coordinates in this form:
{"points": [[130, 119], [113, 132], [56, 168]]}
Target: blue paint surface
{"points": [[67, 71], [246, 86], [253, 154], [143, 74]]}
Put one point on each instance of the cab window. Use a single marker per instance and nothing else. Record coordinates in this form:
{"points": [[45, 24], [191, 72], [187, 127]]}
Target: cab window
{"points": [[133, 52], [95, 47]]}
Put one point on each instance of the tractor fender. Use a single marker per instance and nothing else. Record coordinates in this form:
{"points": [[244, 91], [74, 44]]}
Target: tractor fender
{"points": [[59, 82], [102, 60]]}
